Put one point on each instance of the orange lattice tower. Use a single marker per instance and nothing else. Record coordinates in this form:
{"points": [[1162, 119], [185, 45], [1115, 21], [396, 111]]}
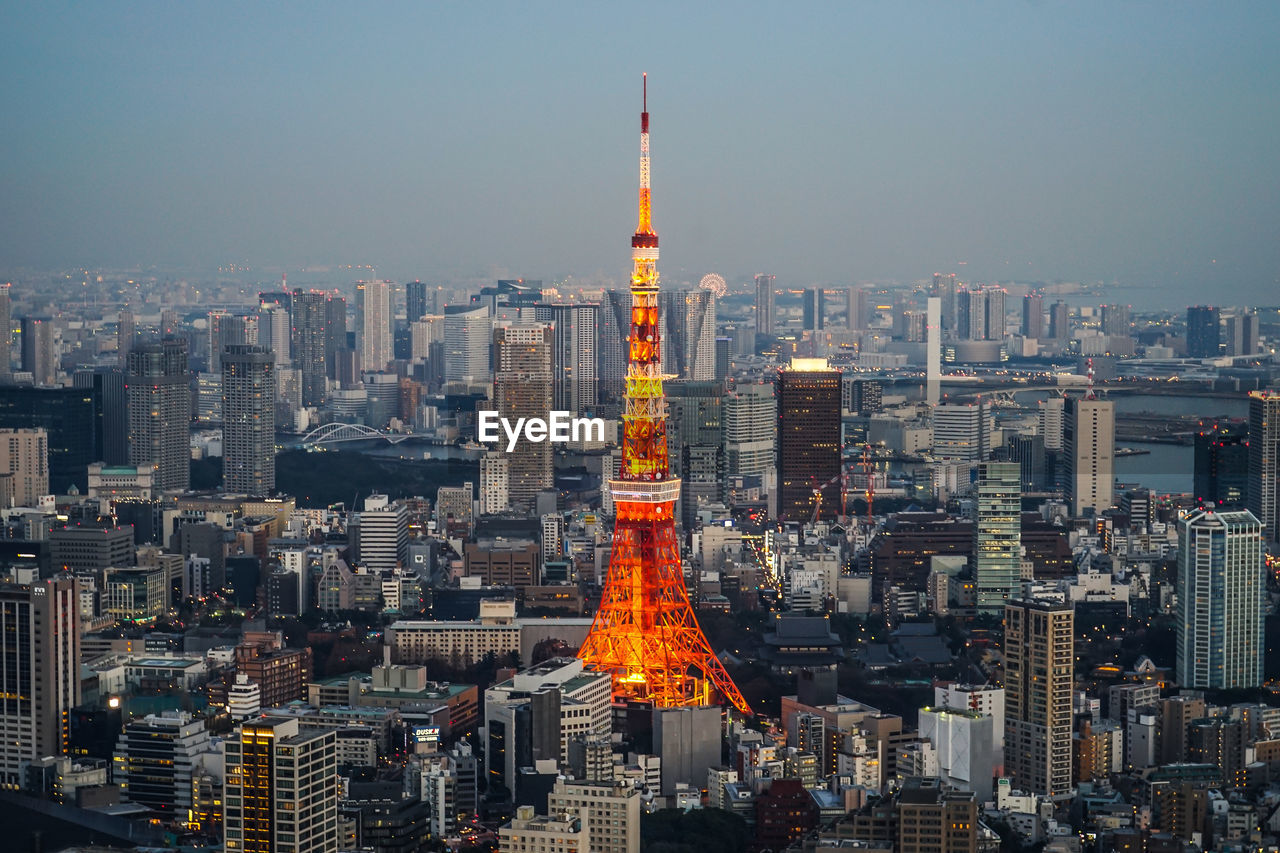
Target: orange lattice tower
{"points": [[645, 633]]}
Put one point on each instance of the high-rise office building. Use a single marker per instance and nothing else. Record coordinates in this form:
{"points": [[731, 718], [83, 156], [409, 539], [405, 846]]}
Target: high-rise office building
{"points": [[309, 343], [373, 324], [248, 420], [1204, 331], [384, 533], [1115, 320], [614, 323], [813, 309], [1221, 590], [1263, 493], [944, 287], [40, 659], [126, 335], [857, 308], [1050, 422], [1088, 444], [24, 466], [962, 431], [695, 443], [6, 332], [274, 333], [1039, 650], [750, 430], [467, 336], [74, 421], [281, 791], [522, 388], [574, 357], [1033, 316], [1060, 321], [808, 399], [335, 332], [155, 759], [980, 313], [160, 412], [415, 301], [689, 333], [39, 353], [766, 314], [997, 550], [1221, 466], [1242, 333]]}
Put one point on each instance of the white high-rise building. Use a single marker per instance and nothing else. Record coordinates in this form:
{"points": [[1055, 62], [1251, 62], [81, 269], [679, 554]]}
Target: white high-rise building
{"points": [[373, 324], [467, 337], [552, 536], [1049, 421], [1088, 444], [495, 483], [688, 333], [574, 357], [1221, 590], [962, 431], [384, 533], [750, 429], [965, 744]]}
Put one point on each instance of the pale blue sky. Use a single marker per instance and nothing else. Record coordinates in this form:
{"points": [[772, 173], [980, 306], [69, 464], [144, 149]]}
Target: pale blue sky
{"points": [[824, 142]]}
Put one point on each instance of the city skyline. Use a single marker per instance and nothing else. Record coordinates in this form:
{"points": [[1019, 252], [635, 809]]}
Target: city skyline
{"points": [[1085, 144]]}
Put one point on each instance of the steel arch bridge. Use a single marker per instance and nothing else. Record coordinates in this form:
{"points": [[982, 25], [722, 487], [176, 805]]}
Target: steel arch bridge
{"points": [[334, 433]]}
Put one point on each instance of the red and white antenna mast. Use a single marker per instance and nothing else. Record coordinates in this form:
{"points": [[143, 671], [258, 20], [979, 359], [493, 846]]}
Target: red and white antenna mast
{"points": [[1089, 393]]}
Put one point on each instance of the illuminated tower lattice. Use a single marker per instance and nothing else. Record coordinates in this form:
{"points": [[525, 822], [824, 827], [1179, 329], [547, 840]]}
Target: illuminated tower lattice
{"points": [[645, 633]]}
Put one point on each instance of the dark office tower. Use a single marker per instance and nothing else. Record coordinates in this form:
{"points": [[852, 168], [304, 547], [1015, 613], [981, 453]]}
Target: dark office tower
{"points": [[40, 659], [1221, 466], [814, 308], [168, 323], [70, 417], [1115, 320], [808, 394], [415, 300], [6, 333], [248, 420], [1264, 453], [766, 315], [1028, 452], [1039, 649], [858, 311], [724, 356], [111, 403], [1033, 316], [1204, 335], [695, 412], [310, 343], [971, 314], [1060, 321], [126, 335], [38, 356], [522, 388], [335, 331], [614, 323], [159, 394], [862, 396], [944, 287], [574, 357]]}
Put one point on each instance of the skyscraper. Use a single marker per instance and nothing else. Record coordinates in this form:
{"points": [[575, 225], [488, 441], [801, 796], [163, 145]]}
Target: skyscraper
{"points": [[248, 420], [281, 788], [6, 333], [1242, 333], [689, 333], [962, 431], [944, 287], [1089, 440], [373, 324], [808, 397], [1221, 587], [1115, 320], [309, 342], [335, 331], [574, 357], [813, 309], [522, 388], [1060, 321], [39, 356], [614, 326], [40, 659], [126, 336], [1221, 466], [1039, 651], [24, 466], [1264, 456], [1050, 422], [750, 430], [997, 551], [1204, 333], [274, 333], [384, 533], [1033, 316], [980, 313], [766, 316], [858, 309], [160, 412], [415, 301], [467, 335]]}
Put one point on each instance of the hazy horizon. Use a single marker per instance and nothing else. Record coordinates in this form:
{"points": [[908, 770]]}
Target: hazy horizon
{"points": [[824, 143]]}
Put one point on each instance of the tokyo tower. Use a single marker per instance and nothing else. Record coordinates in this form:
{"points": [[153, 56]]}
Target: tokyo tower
{"points": [[645, 633]]}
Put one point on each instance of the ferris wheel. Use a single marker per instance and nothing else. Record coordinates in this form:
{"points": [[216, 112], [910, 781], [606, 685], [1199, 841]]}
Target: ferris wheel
{"points": [[715, 283]]}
